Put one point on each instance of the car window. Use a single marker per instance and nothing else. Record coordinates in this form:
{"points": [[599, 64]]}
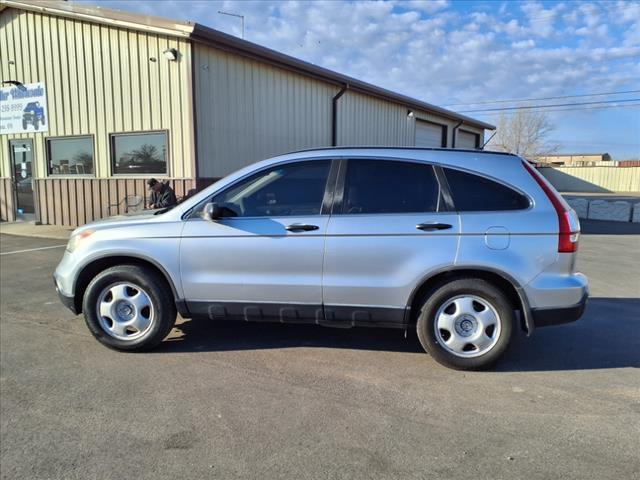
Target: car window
{"points": [[386, 186], [294, 189], [473, 193]]}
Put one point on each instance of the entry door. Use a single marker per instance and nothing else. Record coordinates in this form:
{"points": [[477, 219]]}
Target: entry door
{"points": [[21, 153], [263, 259], [389, 229]]}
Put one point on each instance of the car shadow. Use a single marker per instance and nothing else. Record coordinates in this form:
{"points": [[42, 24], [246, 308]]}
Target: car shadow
{"points": [[203, 335], [607, 336]]}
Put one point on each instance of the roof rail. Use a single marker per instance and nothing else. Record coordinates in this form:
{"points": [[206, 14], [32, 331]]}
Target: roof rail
{"points": [[437, 149]]}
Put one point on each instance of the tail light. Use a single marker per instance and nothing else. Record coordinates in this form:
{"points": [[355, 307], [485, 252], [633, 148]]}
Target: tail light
{"points": [[569, 226]]}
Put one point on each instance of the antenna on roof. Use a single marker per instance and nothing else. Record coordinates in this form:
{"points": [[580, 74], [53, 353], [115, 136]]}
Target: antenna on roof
{"points": [[237, 15]]}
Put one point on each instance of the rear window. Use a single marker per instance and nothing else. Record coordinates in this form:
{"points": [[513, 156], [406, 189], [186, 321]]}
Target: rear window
{"points": [[473, 193]]}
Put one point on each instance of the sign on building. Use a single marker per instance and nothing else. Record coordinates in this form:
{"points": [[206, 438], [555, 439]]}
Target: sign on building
{"points": [[23, 109]]}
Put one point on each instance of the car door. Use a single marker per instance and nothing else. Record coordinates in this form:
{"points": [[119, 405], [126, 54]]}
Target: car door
{"points": [[263, 259], [390, 227]]}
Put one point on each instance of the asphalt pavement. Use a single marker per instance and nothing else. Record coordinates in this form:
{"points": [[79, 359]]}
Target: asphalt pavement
{"points": [[284, 401]]}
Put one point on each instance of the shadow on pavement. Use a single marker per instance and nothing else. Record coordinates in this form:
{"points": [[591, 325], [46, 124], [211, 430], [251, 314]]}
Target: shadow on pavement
{"points": [[603, 227], [214, 335], [607, 336]]}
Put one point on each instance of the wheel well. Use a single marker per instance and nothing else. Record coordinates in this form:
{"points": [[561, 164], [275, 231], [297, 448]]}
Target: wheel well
{"points": [[92, 269], [494, 278]]}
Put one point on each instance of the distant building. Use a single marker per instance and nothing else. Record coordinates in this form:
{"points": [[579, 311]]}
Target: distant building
{"points": [[574, 158]]}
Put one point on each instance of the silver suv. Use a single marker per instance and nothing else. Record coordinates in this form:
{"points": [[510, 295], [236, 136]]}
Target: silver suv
{"points": [[463, 246]]}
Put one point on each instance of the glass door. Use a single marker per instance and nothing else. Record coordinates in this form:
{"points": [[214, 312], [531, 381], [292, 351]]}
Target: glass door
{"points": [[21, 153]]}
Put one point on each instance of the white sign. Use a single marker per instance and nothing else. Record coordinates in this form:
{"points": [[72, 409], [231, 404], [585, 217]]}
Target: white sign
{"points": [[23, 109]]}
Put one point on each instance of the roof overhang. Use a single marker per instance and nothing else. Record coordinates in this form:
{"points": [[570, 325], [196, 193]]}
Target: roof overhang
{"points": [[95, 14]]}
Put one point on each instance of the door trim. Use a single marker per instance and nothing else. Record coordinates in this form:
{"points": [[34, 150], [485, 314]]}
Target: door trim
{"points": [[274, 312]]}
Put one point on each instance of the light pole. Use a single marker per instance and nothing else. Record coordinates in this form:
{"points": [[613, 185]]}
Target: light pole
{"points": [[237, 15]]}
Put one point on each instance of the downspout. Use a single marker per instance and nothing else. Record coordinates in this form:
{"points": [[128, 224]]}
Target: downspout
{"points": [[334, 114], [455, 131]]}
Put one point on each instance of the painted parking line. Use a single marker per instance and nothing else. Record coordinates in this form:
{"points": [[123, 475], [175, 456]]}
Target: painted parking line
{"points": [[33, 249]]}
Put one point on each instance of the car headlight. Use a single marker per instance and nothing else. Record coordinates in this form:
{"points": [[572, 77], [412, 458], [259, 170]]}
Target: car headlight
{"points": [[77, 239]]}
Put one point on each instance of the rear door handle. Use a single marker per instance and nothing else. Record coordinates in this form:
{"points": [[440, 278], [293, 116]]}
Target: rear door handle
{"points": [[301, 227], [430, 226]]}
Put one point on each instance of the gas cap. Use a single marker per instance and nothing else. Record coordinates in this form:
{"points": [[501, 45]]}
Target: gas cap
{"points": [[497, 238]]}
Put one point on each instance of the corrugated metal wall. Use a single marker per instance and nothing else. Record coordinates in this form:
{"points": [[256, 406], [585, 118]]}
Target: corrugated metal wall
{"points": [[7, 208], [99, 80], [365, 120], [83, 200], [248, 111], [593, 179]]}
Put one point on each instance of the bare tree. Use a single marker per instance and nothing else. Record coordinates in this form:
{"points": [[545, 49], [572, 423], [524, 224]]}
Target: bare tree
{"points": [[146, 153], [524, 133]]}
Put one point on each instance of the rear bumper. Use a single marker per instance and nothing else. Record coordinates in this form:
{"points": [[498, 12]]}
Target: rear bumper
{"points": [[545, 317]]}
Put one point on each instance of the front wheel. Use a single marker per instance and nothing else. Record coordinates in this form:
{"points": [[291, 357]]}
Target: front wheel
{"points": [[129, 308], [466, 324]]}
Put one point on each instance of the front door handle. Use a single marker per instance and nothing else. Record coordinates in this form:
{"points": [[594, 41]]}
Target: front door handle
{"points": [[430, 226], [301, 227]]}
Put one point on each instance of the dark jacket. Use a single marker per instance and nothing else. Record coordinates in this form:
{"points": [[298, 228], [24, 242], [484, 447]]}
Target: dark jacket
{"points": [[164, 198]]}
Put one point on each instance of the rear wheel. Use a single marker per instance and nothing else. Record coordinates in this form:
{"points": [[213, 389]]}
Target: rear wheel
{"points": [[466, 324], [126, 307]]}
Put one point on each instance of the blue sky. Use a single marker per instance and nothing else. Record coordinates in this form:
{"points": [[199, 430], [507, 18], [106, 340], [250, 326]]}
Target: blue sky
{"points": [[455, 53]]}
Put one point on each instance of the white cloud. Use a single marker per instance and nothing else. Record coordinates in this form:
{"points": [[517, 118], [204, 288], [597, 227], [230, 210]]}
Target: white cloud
{"points": [[529, 43], [427, 6]]}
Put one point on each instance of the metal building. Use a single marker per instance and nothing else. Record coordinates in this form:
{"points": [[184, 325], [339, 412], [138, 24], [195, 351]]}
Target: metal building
{"points": [[95, 101]]}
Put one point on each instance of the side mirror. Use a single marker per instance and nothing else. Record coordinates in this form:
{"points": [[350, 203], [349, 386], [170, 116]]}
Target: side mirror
{"points": [[212, 212]]}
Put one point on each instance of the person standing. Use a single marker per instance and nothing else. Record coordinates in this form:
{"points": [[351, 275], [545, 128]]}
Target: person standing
{"points": [[162, 195]]}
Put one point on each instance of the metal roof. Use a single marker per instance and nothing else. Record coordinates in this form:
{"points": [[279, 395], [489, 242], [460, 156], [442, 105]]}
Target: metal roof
{"points": [[220, 40]]}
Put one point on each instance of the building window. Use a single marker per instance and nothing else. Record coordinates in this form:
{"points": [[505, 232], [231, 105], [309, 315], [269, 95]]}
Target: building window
{"points": [[70, 155], [139, 153]]}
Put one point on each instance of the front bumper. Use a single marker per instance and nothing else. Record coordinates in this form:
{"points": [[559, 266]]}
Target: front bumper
{"points": [[545, 317], [67, 301]]}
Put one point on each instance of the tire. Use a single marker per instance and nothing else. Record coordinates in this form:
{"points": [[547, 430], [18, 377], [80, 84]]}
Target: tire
{"points": [[35, 123], [466, 324], [43, 120], [129, 308], [24, 124]]}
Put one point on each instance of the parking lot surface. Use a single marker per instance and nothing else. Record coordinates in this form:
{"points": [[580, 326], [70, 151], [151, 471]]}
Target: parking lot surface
{"points": [[271, 401]]}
